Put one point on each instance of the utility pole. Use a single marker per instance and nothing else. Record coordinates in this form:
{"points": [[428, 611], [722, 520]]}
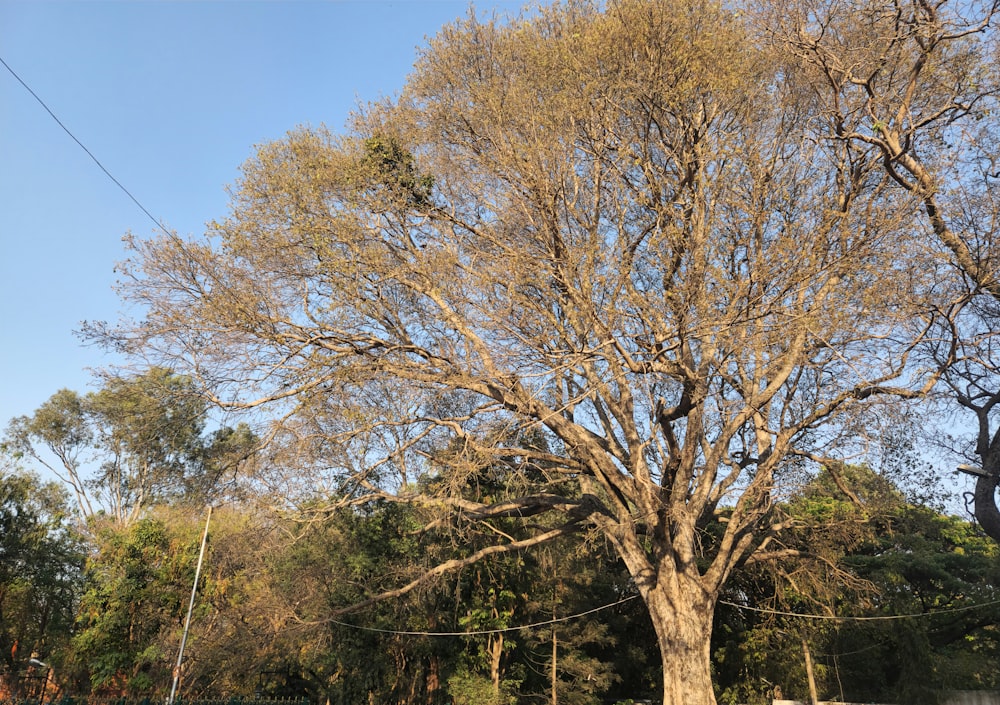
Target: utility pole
{"points": [[187, 622], [813, 697], [554, 674]]}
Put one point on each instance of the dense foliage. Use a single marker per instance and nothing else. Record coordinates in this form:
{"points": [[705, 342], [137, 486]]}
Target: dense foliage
{"points": [[41, 558], [262, 625]]}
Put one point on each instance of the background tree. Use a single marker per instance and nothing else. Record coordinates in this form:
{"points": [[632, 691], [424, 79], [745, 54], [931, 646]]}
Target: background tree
{"points": [[614, 228], [863, 552], [584, 660], [945, 570], [136, 441], [41, 559], [137, 588], [412, 650]]}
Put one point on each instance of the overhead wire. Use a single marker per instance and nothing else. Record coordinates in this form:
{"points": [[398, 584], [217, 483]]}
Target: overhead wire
{"points": [[483, 632], [83, 146], [567, 618], [841, 618]]}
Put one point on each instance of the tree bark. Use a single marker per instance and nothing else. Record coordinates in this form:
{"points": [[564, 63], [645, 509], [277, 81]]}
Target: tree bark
{"points": [[682, 619], [433, 679], [985, 505], [554, 673], [495, 649]]}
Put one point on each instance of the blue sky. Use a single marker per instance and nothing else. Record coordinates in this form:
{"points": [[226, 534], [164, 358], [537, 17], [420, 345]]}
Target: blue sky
{"points": [[171, 97]]}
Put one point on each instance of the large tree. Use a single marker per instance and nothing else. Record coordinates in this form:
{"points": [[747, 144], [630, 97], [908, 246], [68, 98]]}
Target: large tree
{"points": [[608, 253], [917, 83]]}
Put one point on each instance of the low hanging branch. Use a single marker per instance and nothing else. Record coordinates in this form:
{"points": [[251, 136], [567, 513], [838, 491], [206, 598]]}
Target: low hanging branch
{"points": [[458, 563]]}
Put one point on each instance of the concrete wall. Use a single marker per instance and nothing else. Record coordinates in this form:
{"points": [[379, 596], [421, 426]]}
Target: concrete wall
{"points": [[971, 697], [959, 697], [822, 702]]}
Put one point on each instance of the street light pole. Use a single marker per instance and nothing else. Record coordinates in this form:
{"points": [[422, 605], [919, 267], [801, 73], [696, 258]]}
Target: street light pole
{"points": [[187, 622]]}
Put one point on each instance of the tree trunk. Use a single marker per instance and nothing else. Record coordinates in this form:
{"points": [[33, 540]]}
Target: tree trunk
{"points": [[554, 674], [986, 510], [495, 649], [813, 695], [433, 679], [682, 619]]}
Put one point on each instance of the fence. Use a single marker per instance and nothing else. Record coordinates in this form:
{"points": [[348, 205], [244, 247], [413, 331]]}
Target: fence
{"points": [[105, 700]]}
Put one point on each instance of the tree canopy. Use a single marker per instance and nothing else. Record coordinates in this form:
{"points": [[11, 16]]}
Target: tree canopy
{"points": [[138, 440], [641, 263]]}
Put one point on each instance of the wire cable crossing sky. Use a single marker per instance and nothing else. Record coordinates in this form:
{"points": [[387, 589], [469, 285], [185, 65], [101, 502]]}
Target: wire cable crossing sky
{"points": [[82, 145], [170, 115]]}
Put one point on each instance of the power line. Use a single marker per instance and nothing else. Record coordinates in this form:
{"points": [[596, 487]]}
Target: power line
{"points": [[535, 625], [839, 618], [83, 146], [482, 632]]}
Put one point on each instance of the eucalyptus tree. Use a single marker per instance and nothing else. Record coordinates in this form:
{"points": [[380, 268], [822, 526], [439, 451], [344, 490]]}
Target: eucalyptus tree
{"points": [[604, 252], [138, 440]]}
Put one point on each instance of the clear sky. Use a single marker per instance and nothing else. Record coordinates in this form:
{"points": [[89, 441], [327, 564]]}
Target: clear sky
{"points": [[171, 98]]}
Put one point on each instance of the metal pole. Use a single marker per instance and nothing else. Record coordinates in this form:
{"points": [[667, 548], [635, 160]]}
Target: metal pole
{"points": [[813, 697], [187, 622]]}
